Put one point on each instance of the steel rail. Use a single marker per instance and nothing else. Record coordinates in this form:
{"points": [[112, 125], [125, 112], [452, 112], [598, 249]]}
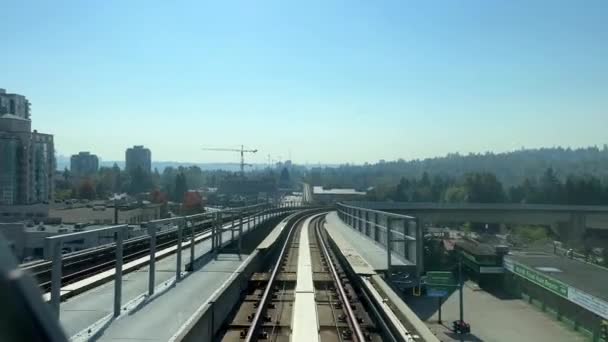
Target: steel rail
{"points": [[352, 318], [255, 322]]}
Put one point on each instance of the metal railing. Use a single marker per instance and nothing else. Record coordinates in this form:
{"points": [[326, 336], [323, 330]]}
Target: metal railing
{"points": [[232, 219], [55, 245], [400, 234]]}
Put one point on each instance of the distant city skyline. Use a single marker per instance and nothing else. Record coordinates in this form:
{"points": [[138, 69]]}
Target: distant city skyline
{"points": [[332, 82]]}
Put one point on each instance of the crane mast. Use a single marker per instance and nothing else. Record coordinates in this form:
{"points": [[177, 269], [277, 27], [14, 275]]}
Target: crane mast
{"points": [[241, 150]]}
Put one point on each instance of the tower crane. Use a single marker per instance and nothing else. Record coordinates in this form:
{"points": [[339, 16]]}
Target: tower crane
{"points": [[241, 150]]}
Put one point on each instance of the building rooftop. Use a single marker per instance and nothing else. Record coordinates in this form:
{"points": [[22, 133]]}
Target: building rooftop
{"points": [[12, 116], [319, 190], [60, 228], [476, 248], [584, 276]]}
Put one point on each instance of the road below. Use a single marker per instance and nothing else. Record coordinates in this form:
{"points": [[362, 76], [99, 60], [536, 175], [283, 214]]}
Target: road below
{"points": [[492, 318]]}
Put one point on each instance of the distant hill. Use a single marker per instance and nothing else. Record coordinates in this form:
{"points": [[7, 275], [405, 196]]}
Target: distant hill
{"points": [[510, 167]]}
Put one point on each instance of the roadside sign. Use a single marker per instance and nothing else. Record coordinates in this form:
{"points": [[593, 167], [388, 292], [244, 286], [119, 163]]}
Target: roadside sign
{"points": [[430, 292], [439, 284]]}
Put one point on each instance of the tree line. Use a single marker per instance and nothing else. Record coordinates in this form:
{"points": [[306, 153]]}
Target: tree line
{"points": [[172, 183], [510, 168], [485, 187]]}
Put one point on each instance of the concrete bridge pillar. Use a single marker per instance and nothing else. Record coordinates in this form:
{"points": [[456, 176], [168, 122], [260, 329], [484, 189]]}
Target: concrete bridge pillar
{"points": [[573, 232], [418, 230]]}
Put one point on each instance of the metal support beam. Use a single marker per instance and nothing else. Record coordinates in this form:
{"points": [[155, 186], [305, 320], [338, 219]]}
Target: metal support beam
{"points": [[56, 277], [419, 247], [178, 263], [240, 232], [192, 240], [118, 274], [214, 220], [232, 224], [152, 265], [376, 221], [389, 247], [220, 233]]}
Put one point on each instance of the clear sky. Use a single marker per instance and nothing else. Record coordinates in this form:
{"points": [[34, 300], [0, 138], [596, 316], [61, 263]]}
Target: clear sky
{"points": [[330, 81]]}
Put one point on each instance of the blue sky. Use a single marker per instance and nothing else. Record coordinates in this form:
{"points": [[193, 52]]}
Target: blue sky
{"points": [[330, 81]]}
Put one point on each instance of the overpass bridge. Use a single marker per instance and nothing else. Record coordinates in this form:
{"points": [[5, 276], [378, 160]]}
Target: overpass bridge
{"points": [[576, 224], [249, 273]]}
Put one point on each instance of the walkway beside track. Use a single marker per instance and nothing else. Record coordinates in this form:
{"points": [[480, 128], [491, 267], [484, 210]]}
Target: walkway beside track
{"points": [[370, 256], [143, 317]]}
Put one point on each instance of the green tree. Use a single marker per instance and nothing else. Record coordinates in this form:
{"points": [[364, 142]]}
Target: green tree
{"points": [[483, 188], [455, 194], [284, 180], [86, 190], [181, 187], [140, 181], [551, 187]]}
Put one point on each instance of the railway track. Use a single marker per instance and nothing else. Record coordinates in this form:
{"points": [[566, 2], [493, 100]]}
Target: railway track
{"points": [[82, 264], [306, 294]]}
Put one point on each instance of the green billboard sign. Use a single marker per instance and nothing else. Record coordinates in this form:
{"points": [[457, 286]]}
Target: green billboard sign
{"points": [[550, 284], [439, 284]]}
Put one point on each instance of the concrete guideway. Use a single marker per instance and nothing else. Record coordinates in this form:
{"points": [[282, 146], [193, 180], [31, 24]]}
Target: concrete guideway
{"points": [[305, 323]]}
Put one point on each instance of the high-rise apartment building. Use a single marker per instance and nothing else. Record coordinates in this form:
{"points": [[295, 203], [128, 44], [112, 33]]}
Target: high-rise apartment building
{"points": [[27, 158], [138, 156], [84, 164], [15, 104]]}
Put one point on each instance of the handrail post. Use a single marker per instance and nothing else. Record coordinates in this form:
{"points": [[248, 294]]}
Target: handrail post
{"points": [[248, 221], [152, 265], [240, 232], [388, 246], [366, 223], [220, 236], [56, 277], [118, 273], [192, 241], [178, 266], [232, 224], [376, 222], [213, 219]]}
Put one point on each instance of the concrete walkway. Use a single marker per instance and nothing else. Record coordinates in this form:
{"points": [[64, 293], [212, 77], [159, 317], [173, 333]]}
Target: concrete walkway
{"points": [[79, 313]]}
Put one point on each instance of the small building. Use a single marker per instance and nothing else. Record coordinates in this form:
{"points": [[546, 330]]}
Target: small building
{"points": [[572, 291], [104, 214], [323, 195], [27, 240], [482, 261], [17, 213]]}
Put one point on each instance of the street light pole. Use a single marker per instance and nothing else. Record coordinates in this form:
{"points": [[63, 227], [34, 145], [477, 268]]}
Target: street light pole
{"points": [[460, 283]]}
